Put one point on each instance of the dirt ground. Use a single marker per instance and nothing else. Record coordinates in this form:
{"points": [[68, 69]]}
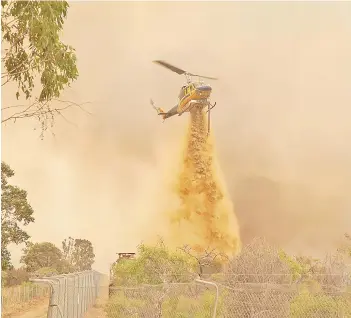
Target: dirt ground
{"points": [[39, 310], [34, 309], [97, 311]]}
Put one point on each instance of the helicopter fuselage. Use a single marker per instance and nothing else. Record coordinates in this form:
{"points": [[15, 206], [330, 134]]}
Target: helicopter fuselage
{"points": [[192, 94]]}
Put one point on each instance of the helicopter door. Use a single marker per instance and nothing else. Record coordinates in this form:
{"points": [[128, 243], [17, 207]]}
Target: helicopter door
{"points": [[186, 91], [189, 90]]}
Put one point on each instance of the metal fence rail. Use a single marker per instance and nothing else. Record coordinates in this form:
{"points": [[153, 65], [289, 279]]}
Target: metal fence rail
{"points": [[71, 294]]}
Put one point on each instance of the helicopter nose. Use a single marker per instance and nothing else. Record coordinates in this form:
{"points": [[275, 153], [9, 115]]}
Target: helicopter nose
{"points": [[204, 88]]}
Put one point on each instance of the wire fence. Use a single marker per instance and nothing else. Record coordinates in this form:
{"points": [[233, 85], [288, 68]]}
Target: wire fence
{"points": [[207, 299], [271, 301], [171, 300], [71, 295], [16, 298]]}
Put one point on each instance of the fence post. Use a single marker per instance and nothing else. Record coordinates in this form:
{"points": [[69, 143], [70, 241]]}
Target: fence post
{"points": [[75, 299], [97, 283], [217, 294], [78, 295], [52, 300], [65, 297], [90, 289], [83, 292]]}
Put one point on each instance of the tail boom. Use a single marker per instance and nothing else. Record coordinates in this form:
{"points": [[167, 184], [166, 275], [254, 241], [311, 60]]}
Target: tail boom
{"points": [[159, 110]]}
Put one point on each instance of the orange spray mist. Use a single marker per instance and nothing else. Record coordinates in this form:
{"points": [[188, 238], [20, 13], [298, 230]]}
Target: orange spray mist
{"points": [[205, 216]]}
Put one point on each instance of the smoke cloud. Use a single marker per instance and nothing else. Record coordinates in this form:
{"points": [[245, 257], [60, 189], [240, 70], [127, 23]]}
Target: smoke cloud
{"points": [[281, 123]]}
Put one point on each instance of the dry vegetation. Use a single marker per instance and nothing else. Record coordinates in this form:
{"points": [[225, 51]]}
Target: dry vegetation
{"points": [[261, 282], [21, 298]]}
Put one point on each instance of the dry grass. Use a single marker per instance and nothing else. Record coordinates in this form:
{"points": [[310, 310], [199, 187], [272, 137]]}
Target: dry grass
{"points": [[18, 309]]}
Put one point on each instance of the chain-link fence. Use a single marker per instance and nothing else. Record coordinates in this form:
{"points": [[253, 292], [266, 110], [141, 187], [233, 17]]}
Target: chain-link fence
{"points": [[16, 298], [71, 294], [165, 300], [199, 299], [271, 301]]}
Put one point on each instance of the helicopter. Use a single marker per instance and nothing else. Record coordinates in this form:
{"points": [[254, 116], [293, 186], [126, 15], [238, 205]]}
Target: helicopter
{"points": [[193, 94]]}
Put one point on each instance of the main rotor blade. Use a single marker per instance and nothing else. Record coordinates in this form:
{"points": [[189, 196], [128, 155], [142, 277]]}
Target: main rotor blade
{"points": [[212, 78], [170, 67], [179, 70]]}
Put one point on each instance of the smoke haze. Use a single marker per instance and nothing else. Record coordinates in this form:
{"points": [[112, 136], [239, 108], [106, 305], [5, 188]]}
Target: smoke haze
{"points": [[281, 124]]}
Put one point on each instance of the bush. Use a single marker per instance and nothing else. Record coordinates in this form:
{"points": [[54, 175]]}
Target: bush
{"points": [[262, 280], [310, 305], [14, 277], [183, 301], [46, 271], [154, 265], [257, 263]]}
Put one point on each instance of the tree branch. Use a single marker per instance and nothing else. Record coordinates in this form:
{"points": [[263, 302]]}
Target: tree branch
{"points": [[42, 109]]}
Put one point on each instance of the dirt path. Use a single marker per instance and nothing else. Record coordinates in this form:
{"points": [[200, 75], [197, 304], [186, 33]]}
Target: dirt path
{"points": [[39, 311], [97, 311]]}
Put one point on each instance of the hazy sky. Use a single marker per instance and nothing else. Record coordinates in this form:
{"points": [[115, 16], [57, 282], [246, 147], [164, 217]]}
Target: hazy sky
{"points": [[282, 121]]}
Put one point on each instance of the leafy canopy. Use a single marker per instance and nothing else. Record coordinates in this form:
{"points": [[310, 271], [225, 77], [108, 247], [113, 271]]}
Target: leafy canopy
{"points": [[79, 253], [36, 60], [318, 288], [42, 255], [30, 32], [155, 265], [15, 211]]}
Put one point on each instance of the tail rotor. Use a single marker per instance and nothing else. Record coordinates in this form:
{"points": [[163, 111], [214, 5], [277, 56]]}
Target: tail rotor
{"points": [[159, 110]]}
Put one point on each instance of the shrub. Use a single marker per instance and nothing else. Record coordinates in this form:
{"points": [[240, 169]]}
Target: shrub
{"points": [[15, 277]]}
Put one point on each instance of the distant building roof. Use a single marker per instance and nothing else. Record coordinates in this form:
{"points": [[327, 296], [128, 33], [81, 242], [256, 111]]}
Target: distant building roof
{"points": [[126, 255]]}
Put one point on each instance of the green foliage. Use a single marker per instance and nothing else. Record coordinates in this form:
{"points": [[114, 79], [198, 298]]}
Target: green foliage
{"points": [[15, 277], [302, 268], [155, 265], [319, 292], [166, 302], [78, 253], [309, 305], [31, 38], [15, 211], [119, 305], [6, 263], [3, 278], [190, 307], [46, 271], [297, 269], [41, 255]]}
